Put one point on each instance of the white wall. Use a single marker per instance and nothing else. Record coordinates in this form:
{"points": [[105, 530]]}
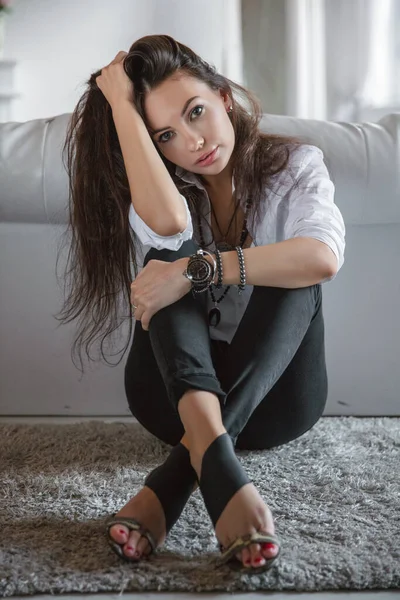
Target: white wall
{"points": [[57, 45]]}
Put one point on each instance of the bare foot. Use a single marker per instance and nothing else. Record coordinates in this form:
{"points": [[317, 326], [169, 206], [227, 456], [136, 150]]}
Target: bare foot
{"points": [[146, 508], [245, 513]]}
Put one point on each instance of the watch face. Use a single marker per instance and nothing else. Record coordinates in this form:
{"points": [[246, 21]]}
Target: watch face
{"points": [[198, 270]]}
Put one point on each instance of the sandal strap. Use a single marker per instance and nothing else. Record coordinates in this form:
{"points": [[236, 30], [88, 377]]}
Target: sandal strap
{"points": [[245, 541], [222, 475], [132, 525]]}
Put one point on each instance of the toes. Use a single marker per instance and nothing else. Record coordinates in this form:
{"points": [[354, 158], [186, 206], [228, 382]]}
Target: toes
{"points": [[130, 550], [245, 557], [134, 537], [262, 551], [132, 542], [142, 546], [119, 533], [255, 552], [269, 550], [137, 545]]}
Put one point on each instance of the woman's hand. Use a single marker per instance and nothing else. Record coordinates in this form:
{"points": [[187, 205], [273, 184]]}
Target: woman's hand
{"points": [[114, 82], [159, 284]]}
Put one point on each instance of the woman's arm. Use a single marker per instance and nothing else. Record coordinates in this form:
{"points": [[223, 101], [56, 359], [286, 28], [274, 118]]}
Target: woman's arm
{"points": [[154, 195], [295, 263]]}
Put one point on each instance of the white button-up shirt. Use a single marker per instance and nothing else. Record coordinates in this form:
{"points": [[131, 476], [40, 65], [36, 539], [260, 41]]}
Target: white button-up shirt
{"points": [[299, 202]]}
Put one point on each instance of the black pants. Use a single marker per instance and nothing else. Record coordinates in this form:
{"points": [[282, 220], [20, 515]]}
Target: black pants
{"points": [[271, 379]]}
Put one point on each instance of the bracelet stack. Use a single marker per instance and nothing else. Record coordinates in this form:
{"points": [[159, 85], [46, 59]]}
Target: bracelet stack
{"points": [[202, 273], [240, 254]]}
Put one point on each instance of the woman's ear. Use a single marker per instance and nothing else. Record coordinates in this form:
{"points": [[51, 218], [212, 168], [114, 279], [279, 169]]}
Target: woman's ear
{"points": [[226, 99]]}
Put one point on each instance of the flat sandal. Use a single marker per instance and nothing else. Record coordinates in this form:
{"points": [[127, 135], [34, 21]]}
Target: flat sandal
{"points": [[228, 555], [132, 525], [221, 477], [173, 484]]}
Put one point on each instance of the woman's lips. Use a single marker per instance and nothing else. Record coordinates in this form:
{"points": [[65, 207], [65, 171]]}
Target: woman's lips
{"points": [[210, 158]]}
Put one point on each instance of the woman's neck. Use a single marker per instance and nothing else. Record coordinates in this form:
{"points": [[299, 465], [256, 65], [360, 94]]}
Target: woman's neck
{"points": [[219, 187], [221, 194]]}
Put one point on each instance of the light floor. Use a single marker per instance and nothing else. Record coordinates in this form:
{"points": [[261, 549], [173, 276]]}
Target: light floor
{"points": [[362, 595]]}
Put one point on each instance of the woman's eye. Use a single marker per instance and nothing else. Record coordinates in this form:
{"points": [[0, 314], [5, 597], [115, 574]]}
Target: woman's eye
{"points": [[160, 139], [163, 141], [196, 107]]}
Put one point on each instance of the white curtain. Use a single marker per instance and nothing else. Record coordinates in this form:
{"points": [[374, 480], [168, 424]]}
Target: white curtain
{"points": [[306, 70], [343, 58], [362, 58], [324, 59]]}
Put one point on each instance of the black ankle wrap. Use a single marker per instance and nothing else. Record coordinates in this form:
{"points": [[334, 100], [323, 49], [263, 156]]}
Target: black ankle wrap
{"points": [[173, 483], [221, 477]]}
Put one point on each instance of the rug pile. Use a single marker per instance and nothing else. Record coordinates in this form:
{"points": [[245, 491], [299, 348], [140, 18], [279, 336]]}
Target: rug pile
{"points": [[334, 494]]}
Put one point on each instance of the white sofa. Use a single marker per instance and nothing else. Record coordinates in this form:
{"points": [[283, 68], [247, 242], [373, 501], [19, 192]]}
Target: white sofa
{"points": [[361, 305]]}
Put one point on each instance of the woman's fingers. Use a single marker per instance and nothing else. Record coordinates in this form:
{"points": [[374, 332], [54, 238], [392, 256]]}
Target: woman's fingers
{"points": [[114, 82], [121, 54]]}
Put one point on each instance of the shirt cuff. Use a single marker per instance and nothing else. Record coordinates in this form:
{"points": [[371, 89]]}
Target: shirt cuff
{"points": [[148, 237]]}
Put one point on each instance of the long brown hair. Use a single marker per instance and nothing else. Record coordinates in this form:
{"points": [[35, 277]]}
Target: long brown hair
{"points": [[102, 244]]}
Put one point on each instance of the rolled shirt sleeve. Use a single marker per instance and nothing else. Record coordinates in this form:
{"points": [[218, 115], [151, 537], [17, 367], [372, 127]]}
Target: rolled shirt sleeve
{"points": [[148, 237], [311, 208]]}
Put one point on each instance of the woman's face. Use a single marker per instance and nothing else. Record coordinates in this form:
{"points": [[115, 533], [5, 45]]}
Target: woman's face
{"points": [[203, 126]]}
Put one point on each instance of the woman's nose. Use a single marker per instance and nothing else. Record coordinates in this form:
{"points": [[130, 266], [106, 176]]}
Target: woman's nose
{"points": [[194, 142]]}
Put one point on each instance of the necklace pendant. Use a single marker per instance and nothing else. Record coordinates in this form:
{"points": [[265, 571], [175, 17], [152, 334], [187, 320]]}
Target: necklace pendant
{"points": [[214, 317]]}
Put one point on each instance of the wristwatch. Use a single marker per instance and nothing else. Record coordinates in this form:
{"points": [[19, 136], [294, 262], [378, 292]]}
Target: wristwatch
{"points": [[200, 271]]}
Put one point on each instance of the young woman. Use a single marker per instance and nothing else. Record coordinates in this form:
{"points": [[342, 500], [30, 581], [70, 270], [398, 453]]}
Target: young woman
{"points": [[228, 345]]}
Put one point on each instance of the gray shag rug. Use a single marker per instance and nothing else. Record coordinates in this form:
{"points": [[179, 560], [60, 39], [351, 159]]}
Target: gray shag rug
{"points": [[334, 494]]}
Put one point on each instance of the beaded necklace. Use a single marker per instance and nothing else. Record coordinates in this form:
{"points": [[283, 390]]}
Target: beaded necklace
{"points": [[214, 316]]}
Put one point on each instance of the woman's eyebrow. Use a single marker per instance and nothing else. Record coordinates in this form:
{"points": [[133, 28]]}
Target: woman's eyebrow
{"points": [[154, 131]]}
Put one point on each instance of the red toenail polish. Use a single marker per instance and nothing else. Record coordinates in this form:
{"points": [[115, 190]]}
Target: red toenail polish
{"points": [[268, 546], [121, 531], [247, 561]]}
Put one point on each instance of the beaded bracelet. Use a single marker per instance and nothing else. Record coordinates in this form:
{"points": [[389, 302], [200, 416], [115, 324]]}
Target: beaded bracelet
{"points": [[218, 285], [242, 284], [240, 254]]}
